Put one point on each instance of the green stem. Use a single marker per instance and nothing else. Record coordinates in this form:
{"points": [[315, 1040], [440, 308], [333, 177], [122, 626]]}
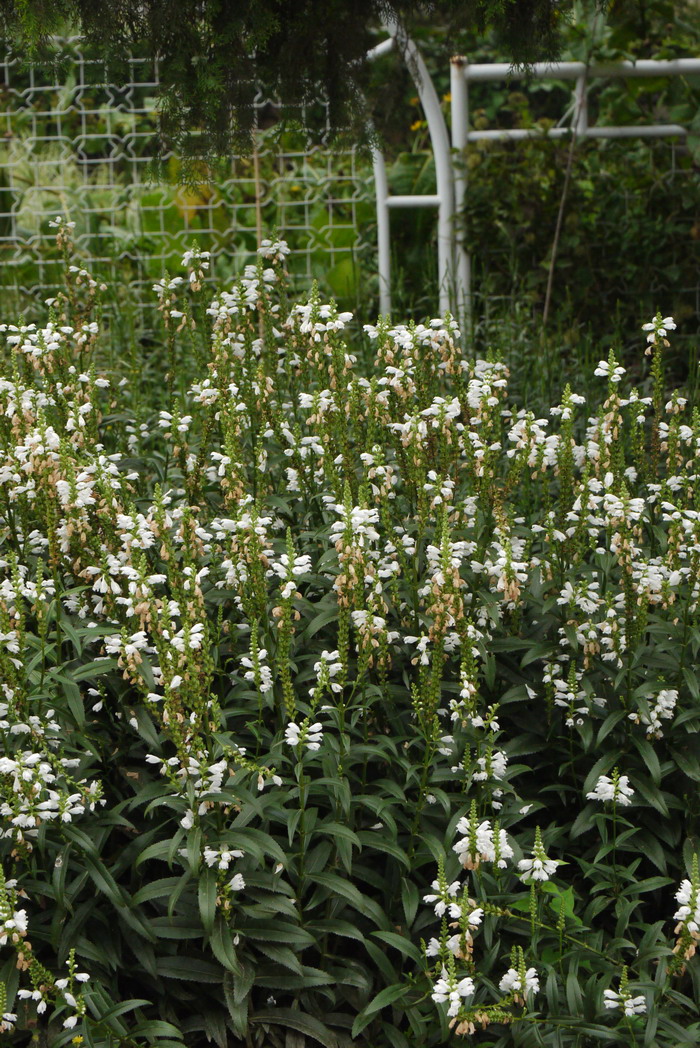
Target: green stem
{"points": [[301, 782]]}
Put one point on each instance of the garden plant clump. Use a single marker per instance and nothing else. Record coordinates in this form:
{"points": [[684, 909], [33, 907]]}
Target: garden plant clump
{"points": [[341, 697]]}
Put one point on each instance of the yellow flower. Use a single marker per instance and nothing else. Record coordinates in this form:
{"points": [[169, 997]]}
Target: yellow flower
{"points": [[417, 124]]}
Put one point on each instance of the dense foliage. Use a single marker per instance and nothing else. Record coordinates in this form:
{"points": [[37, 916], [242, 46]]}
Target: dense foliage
{"points": [[630, 238], [283, 654], [632, 208], [215, 55]]}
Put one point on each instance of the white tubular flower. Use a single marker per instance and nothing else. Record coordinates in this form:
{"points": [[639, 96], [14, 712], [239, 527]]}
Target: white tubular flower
{"points": [[273, 250], [33, 995], [540, 867], [7, 1022], [688, 912], [512, 982], [221, 857], [328, 667], [448, 988], [630, 1005], [537, 869], [604, 370], [481, 843], [663, 709], [292, 734], [623, 998], [443, 897], [309, 735], [615, 789], [494, 766], [659, 327]]}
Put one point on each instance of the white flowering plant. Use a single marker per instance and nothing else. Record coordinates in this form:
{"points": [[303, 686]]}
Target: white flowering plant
{"points": [[340, 695]]}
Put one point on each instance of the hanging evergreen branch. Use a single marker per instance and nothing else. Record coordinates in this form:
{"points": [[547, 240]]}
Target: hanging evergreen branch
{"points": [[214, 54]]}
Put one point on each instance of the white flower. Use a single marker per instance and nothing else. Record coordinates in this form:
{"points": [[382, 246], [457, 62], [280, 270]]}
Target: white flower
{"points": [[659, 327], [689, 910], [537, 869], [493, 765], [292, 734], [512, 983], [616, 789], [663, 709], [605, 371], [221, 857], [481, 844], [448, 989], [311, 735], [540, 867], [444, 898], [630, 1005]]}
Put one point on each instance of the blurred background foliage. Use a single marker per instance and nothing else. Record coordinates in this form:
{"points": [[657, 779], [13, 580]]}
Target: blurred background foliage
{"points": [[630, 241]]}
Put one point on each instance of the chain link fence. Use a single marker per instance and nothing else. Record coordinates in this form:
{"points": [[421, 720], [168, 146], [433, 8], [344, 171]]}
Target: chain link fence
{"points": [[75, 144]]}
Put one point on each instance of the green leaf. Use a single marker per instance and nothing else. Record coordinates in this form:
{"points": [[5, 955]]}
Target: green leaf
{"points": [[337, 885], [336, 829], [122, 1009], [104, 881], [401, 943], [294, 1020], [335, 926], [281, 955], [389, 995], [192, 969], [374, 840], [94, 669], [237, 1001], [410, 897], [648, 755], [159, 889], [153, 1028], [73, 697], [610, 723], [207, 898]]}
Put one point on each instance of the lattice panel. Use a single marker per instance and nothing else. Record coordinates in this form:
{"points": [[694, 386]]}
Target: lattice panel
{"points": [[73, 143]]}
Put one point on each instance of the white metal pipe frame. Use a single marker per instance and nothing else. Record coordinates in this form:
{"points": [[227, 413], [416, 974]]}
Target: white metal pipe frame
{"points": [[454, 263], [462, 72], [443, 198]]}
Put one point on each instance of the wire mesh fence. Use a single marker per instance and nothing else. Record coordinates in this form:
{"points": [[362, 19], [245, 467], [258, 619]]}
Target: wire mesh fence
{"points": [[75, 144]]}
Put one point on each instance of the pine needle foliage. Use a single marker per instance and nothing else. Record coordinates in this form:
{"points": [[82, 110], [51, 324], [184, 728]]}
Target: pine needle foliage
{"points": [[215, 54]]}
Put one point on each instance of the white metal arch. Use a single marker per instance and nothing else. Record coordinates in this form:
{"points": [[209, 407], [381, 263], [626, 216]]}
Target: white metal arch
{"points": [[443, 198]]}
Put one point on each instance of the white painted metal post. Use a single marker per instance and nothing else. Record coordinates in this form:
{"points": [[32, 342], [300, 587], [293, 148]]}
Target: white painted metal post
{"points": [[381, 189], [444, 175], [580, 118], [459, 93], [381, 192]]}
